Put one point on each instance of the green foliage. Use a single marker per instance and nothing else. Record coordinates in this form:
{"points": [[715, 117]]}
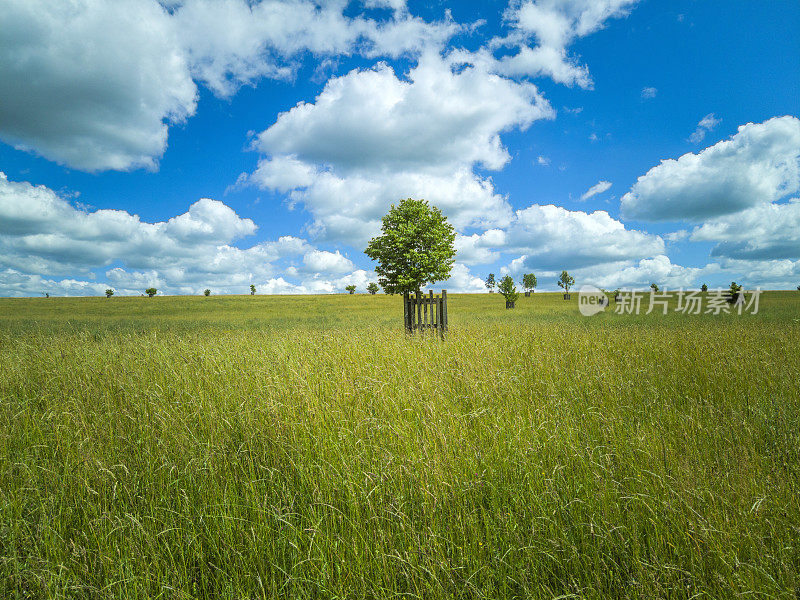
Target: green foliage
{"points": [[109, 293], [654, 287], [252, 290], [151, 291], [507, 289], [350, 288], [206, 292], [373, 288], [734, 291], [566, 281], [490, 282], [704, 288], [416, 247], [529, 281]]}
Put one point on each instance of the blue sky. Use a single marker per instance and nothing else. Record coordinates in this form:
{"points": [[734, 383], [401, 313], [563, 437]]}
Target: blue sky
{"points": [[186, 145]]}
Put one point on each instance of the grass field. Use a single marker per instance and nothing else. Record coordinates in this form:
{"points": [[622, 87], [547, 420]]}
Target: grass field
{"points": [[305, 447]]}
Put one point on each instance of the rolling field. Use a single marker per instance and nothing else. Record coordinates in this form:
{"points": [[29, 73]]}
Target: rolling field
{"points": [[305, 447]]}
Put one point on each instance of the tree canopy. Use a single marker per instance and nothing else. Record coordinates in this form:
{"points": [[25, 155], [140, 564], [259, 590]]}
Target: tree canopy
{"points": [[529, 281], [566, 281], [507, 289], [415, 248]]}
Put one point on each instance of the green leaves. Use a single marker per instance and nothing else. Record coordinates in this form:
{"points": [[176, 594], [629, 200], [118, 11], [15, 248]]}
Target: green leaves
{"points": [[529, 281], [415, 248], [507, 288], [566, 281]]}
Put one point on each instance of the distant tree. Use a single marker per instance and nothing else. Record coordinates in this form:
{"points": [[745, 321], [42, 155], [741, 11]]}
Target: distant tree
{"points": [[798, 288], [109, 293], [566, 281], [252, 290], [733, 292], [350, 288], [507, 289], [206, 292], [654, 287], [490, 283], [529, 282], [416, 247], [704, 288], [151, 291], [373, 288]]}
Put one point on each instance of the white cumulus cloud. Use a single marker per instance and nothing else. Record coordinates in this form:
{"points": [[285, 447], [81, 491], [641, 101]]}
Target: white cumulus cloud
{"points": [[372, 138], [758, 165]]}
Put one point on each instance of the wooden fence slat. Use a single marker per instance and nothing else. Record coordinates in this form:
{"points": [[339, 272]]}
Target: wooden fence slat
{"points": [[444, 310], [406, 324], [425, 311]]}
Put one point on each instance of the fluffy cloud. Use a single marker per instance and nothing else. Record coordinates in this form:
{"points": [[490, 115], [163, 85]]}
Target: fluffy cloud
{"points": [[43, 237], [765, 232], [758, 165], [597, 188], [233, 42], [371, 138], [554, 24], [553, 238], [95, 85], [479, 248]]}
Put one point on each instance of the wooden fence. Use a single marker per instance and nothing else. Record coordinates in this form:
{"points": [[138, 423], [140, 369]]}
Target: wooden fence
{"points": [[421, 311]]}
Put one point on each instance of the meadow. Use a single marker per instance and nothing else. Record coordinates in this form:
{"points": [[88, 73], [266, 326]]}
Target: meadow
{"points": [[306, 447]]}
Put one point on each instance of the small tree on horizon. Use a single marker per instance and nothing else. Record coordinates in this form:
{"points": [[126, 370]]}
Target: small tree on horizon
{"points": [[416, 247], [350, 288], [109, 293], [529, 282], [733, 292], [507, 289], [373, 288], [566, 281], [704, 288], [490, 283], [654, 287], [206, 292], [151, 291], [252, 290]]}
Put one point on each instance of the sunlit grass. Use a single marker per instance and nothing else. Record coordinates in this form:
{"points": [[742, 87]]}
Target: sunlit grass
{"points": [[305, 447]]}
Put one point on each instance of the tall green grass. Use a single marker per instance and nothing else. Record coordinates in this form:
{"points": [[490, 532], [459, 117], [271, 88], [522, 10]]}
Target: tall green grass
{"points": [[305, 447]]}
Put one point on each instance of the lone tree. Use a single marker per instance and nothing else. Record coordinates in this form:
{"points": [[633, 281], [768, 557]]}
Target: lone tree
{"points": [[734, 292], [654, 287], [415, 248], [373, 288], [798, 288], [529, 282], [566, 281], [704, 288], [350, 288], [490, 283], [151, 291], [109, 293], [509, 292], [252, 290], [206, 292]]}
